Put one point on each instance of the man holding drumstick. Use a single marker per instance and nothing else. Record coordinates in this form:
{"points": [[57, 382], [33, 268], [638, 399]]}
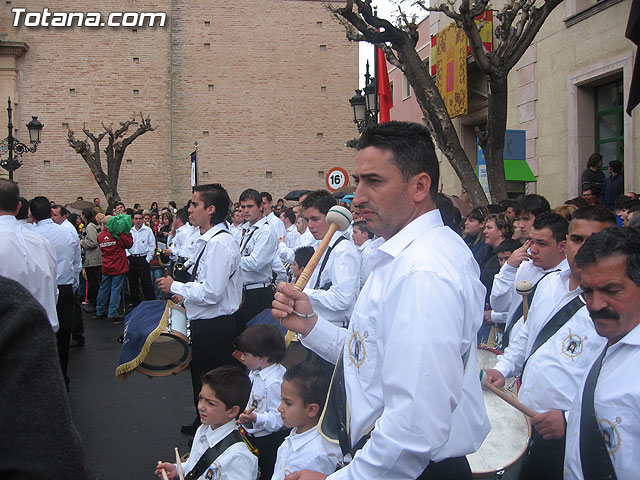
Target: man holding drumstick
{"points": [[408, 356]]}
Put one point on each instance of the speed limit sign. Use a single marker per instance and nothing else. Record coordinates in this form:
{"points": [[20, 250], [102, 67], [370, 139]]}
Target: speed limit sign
{"points": [[337, 177]]}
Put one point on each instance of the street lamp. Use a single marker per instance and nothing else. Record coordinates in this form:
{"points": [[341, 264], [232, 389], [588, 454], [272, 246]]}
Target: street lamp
{"points": [[365, 108], [15, 148]]}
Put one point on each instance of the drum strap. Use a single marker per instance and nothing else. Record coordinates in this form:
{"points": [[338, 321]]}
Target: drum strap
{"points": [[594, 457], [324, 264], [195, 267], [561, 317], [212, 453], [519, 312]]}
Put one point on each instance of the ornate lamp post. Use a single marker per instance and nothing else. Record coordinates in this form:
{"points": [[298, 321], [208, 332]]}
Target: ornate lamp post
{"points": [[365, 108], [15, 148]]}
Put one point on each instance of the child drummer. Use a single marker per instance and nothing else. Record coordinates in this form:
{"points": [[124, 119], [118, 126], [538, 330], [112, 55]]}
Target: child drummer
{"points": [[225, 392]]}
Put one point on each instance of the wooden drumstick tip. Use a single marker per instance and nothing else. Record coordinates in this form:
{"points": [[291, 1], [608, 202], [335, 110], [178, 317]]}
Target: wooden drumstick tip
{"points": [[179, 465], [524, 287], [507, 397]]}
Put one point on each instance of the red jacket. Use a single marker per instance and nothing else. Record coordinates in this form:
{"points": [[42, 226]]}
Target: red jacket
{"points": [[114, 257]]}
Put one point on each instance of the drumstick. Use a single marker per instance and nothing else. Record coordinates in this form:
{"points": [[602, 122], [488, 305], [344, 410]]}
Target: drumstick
{"points": [[507, 397], [338, 218], [163, 471], [247, 412], [180, 472], [524, 288]]}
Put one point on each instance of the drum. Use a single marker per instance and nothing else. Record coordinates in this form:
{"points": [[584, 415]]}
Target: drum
{"points": [[170, 352], [487, 358], [500, 455]]}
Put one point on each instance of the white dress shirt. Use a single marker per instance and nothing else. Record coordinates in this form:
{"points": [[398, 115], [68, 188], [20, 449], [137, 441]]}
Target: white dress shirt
{"points": [[277, 225], [217, 288], [617, 407], [412, 326], [342, 272], [189, 248], [236, 232], [29, 259], [555, 370], [67, 248], [235, 463], [367, 249], [144, 242], [259, 247], [266, 398], [505, 298], [69, 227], [306, 451], [307, 239], [287, 248], [178, 240]]}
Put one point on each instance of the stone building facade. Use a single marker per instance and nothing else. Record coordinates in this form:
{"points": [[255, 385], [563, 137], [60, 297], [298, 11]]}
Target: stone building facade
{"points": [[261, 86]]}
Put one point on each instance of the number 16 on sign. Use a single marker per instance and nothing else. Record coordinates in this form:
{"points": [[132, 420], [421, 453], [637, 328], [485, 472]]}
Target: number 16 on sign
{"points": [[337, 177]]}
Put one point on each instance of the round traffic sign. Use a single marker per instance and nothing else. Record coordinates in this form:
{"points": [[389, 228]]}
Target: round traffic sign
{"points": [[337, 177]]}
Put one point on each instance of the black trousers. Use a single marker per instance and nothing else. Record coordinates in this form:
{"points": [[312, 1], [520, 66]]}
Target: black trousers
{"points": [[140, 274], [268, 448], [212, 343], [255, 301], [544, 459], [64, 309], [93, 279], [449, 469]]}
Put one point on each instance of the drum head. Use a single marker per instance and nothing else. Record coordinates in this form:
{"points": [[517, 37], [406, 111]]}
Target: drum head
{"points": [[169, 354]]}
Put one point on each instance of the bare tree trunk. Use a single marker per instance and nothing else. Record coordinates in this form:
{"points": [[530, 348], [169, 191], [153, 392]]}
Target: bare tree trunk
{"points": [[496, 128]]}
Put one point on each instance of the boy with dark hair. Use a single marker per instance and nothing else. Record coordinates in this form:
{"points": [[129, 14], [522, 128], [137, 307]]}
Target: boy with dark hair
{"points": [[218, 450], [304, 391], [529, 207], [301, 258], [334, 285], [262, 349]]}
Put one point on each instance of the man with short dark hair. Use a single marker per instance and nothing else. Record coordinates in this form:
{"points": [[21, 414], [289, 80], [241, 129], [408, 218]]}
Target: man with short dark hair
{"points": [[291, 239], [528, 208], [139, 256], [67, 248], [408, 358], [60, 214], [541, 352], [602, 430], [593, 176], [214, 295], [276, 225], [613, 185], [363, 239]]}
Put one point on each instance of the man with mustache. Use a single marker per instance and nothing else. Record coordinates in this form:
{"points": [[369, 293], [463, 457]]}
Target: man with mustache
{"points": [[552, 350], [602, 431]]}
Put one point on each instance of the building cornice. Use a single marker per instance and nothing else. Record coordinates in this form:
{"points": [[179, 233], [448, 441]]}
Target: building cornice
{"points": [[588, 12], [13, 49]]}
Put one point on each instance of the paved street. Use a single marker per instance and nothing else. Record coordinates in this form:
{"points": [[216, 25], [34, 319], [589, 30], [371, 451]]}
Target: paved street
{"points": [[126, 426]]}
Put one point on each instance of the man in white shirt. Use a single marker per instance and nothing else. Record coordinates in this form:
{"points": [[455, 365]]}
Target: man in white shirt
{"points": [[363, 239], [32, 261], [276, 225], [334, 285], [139, 256], [602, 429], [59, 214], [306, 237], [258, 249], [552, 351], [543, 253], [291, 239], [67, 248], [214, 295], [409, 356], [236, 225]]}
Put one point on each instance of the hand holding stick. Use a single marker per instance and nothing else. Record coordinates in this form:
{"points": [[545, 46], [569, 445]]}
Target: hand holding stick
{"points": [[507, 397]]}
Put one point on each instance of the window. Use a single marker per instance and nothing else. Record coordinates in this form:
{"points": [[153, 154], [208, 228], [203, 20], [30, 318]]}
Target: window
{"points": [[609, 121], [406, 87]]}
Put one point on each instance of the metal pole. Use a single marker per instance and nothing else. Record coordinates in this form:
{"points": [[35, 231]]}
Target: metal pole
{"points": [[10, 140]]}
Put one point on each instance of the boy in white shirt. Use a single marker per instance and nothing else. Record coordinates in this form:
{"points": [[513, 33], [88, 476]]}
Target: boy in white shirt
{"points": [[262, 348], [304, 390], [224, 391]]}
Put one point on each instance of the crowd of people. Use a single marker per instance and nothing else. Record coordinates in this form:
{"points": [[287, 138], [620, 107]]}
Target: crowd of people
{"points": [[399, 302]]}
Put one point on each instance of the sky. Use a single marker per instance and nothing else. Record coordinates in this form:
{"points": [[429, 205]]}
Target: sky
{"points": [[389, 11]]}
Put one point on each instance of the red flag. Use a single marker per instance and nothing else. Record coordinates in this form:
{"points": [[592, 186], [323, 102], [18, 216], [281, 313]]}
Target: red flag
{"points": [[385, 100]]}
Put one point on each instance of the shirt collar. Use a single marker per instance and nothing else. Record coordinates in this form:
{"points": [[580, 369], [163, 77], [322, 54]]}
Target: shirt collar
{"points": [[291, 228], [44, 221], [214, 436], [299, 440], [212, 231], [9, 221], [366, 243], [260, 222], [417, 227], [265, 372], [631, 338]]}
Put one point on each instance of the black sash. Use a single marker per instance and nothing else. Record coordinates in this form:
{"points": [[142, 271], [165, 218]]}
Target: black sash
{"points": [[520, 311], [324, 263], [195, 267], [561, 317], [248, 237], [212, 453], [595, 459]]}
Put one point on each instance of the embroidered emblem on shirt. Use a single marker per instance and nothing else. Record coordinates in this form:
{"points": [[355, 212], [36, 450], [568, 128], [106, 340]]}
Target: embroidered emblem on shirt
{"points": [[573, 345], [357, 350], [256, 402], [610, 434], [213, 473]]}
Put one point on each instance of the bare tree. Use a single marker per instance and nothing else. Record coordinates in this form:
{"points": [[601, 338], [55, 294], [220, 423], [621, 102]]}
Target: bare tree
{"points": [[519, 21], [117, 143]]}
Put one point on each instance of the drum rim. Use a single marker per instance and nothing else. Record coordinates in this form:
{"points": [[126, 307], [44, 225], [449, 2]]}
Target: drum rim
{"points": [[178, 368]]}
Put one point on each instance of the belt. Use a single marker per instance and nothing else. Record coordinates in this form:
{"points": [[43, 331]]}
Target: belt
{"points": [[254, 286], [142, 255]]}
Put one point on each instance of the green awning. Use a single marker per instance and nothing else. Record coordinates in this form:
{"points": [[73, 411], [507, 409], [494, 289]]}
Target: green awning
{"points": [[518, 171]]}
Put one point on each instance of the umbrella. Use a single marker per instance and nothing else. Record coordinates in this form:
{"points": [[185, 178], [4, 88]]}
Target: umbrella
{"points": [[460, 204], [78, 205], [295, 194]]}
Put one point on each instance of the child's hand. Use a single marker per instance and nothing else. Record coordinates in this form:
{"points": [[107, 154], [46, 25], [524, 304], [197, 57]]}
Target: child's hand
{"points": [[247, 417], [170, 468]]}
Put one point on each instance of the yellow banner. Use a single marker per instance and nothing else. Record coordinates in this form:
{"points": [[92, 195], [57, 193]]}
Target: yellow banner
{"points": [[451, 72]]}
